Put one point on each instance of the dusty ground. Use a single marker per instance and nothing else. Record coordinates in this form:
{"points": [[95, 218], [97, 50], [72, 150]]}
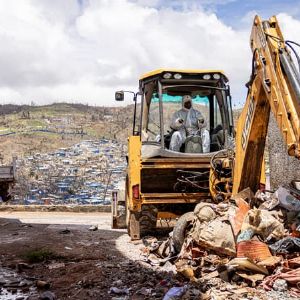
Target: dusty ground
{"points": [[76, 262], [55, 252]]}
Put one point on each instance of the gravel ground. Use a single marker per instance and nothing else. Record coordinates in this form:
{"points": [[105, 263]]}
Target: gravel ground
{"points": [[283, 168]]}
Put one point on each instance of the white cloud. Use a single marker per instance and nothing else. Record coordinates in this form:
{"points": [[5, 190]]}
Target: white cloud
{"points": [[290, 27], [59, 50]]}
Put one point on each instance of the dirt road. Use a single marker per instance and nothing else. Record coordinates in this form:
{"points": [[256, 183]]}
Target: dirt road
{"points": [[75, 262], [103, 220]]}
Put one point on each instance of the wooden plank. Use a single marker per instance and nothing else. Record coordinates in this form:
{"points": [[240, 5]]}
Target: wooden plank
{"points": [[155, 198], [177, 166], [175, 160], [173, 195]]}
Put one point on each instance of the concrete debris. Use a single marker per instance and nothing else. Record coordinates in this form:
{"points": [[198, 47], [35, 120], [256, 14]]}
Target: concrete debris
{"points": [[216, 234], [290, 276], [235, 249], [280, 285], [255, 250], [237, 219]]}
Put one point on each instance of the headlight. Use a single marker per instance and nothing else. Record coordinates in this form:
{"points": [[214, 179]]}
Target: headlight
{"points": [[167, 75], [177, 76], [216, 76], [206, 76]]}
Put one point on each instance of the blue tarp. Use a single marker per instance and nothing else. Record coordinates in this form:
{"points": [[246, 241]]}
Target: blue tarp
{"points": [[177, 99]]}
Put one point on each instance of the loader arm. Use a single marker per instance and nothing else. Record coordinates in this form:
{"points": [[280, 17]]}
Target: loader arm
{"points": [[274, 86]]}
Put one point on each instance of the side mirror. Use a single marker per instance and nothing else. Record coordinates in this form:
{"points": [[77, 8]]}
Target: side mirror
{"points": [[119, 96]]}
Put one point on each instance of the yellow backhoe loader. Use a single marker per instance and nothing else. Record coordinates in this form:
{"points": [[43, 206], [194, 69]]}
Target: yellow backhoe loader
{"points": [[163, 183]]}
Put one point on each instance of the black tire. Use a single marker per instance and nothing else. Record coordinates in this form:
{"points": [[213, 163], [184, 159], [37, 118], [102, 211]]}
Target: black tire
{"points": [[148, 219], [180, 228]]}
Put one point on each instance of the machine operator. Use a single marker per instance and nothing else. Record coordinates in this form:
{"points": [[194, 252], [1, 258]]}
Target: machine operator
{"points": [[188, 122]]}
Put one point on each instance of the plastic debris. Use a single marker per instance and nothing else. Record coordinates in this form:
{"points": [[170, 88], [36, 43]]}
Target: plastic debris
{"points": [[119, 291], [286, 245], [93, 228], [245, 235], [175, 293], [144, 291], [286, 200], [47, 296]]}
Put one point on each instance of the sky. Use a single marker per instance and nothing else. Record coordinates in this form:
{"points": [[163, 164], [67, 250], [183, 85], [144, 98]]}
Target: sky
{"points": [[85, 50]]}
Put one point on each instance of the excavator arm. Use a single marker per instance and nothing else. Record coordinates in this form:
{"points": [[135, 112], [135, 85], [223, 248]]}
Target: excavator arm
{"points": [[274, 86]]}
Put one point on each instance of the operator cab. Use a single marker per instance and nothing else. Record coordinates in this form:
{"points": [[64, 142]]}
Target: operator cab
{"points": [[162, 93]]}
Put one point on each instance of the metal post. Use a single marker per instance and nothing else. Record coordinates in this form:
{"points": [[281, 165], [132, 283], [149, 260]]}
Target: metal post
{"points": [[134, 115], [114, 203], [161, 116], [114, 209], [141, 113]]}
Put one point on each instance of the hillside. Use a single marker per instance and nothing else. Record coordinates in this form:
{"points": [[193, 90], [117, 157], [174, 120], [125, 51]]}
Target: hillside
{"points": [[25, 130]]}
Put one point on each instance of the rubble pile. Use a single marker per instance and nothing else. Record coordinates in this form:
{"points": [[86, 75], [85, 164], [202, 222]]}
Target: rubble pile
{"points": [[247, 247], [85, 173]]}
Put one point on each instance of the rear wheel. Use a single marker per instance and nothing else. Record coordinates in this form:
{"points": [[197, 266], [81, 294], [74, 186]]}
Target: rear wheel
{"points": [[148, 219]]}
